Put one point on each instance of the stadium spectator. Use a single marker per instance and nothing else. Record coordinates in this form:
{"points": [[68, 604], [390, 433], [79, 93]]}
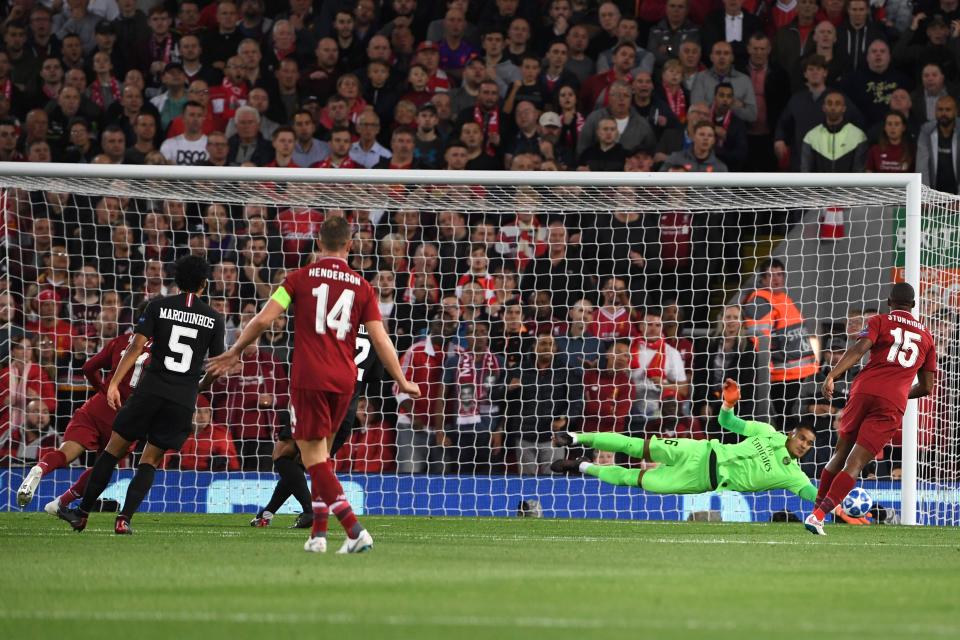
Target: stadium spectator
{"points": [[771, 87], [628, 31], [370, 447], [722, 70], [856, 34], [544, 404], [22, 379], [895, 151], [608, 392], [606, 154], [190, 147], [834, 133], [613, 318], [624, 60], [700, 156], [579, 63], [769, 311], [870, 87], [938, 160], [209, 448], [794, 41], [633, 129], [657, 369], [726, 353], [729, 131], [248, 144], [802, 113], [675, 28], [35, 436], [732, 25]]}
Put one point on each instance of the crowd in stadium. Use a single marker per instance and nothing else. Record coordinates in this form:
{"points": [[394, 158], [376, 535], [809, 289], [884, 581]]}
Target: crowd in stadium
{"points": [[500, 308]]}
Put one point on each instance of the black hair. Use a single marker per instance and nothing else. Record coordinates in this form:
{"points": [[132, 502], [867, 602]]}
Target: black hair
{"points": [[902, 294], [191, 272], [806, 425]]}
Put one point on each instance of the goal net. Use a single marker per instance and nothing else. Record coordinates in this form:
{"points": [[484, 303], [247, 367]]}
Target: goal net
{"points": [[522, 303]]}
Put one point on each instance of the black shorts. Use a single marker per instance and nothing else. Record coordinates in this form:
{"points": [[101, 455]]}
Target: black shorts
{"points": [[162, 423], [343, 433]]}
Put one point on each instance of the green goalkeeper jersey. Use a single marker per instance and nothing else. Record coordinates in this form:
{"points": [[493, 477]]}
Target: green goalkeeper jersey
{"points": [[760, 462]]}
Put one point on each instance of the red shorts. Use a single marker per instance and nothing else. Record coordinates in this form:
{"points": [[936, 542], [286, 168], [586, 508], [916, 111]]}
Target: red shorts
{"points": [[317, 414], [871, 421], [87, 430]]}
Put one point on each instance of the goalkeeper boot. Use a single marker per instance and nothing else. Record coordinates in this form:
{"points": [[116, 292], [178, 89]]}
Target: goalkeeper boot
{"points": [[562, 439], [814, 525], [76, 518], [262, 519], [567, 466], [316, 544], [29, 486], [303, 521], [122, 526], [363, 542]]}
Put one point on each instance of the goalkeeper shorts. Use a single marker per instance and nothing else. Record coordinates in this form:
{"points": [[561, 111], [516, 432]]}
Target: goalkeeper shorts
{"points": [[684, 466]]}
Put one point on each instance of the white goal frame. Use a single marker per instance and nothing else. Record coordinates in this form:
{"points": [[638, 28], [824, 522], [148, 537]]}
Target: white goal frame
{"points": [[909, 182]]}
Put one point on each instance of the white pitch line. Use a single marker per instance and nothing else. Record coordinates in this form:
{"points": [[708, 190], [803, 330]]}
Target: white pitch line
{"points": [[802, 541], [529, 622]]}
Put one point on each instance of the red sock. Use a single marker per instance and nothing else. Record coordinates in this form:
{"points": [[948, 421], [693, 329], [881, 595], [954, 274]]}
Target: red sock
{"points": [[76, 491], [325, 480], [826, 479], [52, 460], [841, 486]]}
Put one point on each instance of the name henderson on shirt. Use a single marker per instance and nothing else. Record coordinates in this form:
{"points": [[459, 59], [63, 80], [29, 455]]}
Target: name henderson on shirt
{"points": [[187, 316], [332, 274]]}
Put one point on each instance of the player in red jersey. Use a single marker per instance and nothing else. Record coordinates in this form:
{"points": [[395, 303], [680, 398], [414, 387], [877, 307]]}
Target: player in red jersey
{"points": [[331, 302], [900, 349], [89, 428]]}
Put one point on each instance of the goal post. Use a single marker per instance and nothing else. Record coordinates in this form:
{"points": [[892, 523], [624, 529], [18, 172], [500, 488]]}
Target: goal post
{"points": [[738, 221]]}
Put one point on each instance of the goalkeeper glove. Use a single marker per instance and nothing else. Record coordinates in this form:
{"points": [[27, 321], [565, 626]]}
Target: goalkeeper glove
{"points": [[838, 512], [731, 392]]}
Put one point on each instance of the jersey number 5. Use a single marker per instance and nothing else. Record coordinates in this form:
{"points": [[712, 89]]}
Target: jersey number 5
{"points": [[904, 349], [338, 318], [185, 351]]}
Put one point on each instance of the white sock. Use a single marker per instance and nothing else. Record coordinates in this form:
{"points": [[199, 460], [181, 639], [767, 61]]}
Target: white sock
{"points": [[584, 466]]}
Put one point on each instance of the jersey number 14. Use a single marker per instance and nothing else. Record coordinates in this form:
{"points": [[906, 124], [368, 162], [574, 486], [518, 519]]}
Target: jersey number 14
{"points": [[338, 317], [904, 349]]}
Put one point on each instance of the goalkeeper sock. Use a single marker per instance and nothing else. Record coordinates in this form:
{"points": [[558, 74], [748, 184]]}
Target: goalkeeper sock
{"points": [[842, 483], [75, 492], [296, 483], [615, 442], [138, 489], [826, 479], [612, 474], [52, 460], [100, 475]]}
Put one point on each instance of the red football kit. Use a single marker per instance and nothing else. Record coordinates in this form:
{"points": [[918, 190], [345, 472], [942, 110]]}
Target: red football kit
{"points": [[332, 301], [902, 346], [92, 424]]}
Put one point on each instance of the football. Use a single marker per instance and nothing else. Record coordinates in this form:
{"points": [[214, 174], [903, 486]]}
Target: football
{"points": [[857, 503]]}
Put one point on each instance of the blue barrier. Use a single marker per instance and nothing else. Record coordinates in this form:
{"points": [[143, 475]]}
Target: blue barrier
{"points": [[559, 497]]}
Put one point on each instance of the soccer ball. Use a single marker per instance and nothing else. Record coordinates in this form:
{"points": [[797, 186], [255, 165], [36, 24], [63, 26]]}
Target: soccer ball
{"points": [[857, 503]]}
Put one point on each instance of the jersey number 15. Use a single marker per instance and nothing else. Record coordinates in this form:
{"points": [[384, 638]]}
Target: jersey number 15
{"points": [[904, 349]]}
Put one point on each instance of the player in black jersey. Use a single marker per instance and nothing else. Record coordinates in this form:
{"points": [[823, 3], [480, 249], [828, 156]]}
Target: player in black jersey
{"points": [[184, 330], [286, 455]]}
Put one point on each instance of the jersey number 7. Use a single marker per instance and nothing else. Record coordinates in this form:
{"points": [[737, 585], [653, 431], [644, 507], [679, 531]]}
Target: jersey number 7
{"points": [[904, 349], [338, 318]]}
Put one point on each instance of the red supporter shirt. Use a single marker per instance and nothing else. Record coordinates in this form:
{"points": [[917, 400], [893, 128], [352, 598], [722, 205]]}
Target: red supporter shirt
{"points": [[676, 236], [607, 326], [299, 228], [606, 400], [108, 358], [237, 396], [332, 301], [346, 163], [902, 346], [61, 333], [887, 159], [423, 364]]}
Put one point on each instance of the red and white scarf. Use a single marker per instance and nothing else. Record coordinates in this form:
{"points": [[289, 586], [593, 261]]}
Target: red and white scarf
{"points": [[490, 124], [725, 122], [96, 91], [473, 384], [677, 102], [8, 89]]}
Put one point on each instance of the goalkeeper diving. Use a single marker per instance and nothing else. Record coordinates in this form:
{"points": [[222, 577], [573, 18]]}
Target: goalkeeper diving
{"points": [[766, 459]]}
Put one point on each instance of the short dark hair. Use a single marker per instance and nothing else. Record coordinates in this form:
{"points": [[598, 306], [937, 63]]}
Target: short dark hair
{"points": [[193, 103], [282, 129], [191, 272], [771, 263], [335, 233], [402, 131], [902, 293], [339, 129], [722, 85], [805, 426]]}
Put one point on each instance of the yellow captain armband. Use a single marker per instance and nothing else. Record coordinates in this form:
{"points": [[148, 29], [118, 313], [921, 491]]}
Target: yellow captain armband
{"points": [[281, 297]]}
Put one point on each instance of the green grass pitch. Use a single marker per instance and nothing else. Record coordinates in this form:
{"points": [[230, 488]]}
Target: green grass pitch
{"points": [[215, 577]]}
